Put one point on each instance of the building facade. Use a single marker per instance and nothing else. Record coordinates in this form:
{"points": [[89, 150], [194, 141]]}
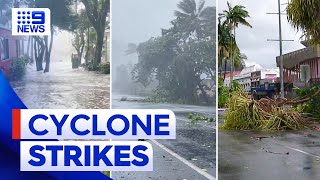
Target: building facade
{"points": [[294, 61], [10, 48], [243, 77], [265, 83]]}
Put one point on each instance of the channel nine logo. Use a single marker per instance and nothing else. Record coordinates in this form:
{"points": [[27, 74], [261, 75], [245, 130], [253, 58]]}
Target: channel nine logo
{"points": [[31, 21]]}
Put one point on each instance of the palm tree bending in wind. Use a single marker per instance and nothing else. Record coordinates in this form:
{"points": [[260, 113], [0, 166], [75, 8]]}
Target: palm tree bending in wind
{"points": [[233, 17], [192, 17]]}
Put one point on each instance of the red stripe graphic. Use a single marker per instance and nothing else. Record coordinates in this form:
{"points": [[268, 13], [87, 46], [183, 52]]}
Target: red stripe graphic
{"points": [[16, 124]]}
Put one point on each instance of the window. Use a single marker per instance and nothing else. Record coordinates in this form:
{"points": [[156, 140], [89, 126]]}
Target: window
{"points": [[4, 49]]}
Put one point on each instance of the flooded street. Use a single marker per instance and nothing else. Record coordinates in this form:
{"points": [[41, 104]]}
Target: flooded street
{"points": [[252, 155], [63, 87], [190, 156]]}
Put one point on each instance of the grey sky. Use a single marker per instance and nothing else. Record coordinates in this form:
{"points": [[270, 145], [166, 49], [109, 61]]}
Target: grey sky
{"points": [[253, 42], [138, 20]]}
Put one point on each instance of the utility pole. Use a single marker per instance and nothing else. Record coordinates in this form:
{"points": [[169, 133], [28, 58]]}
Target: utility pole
{"points": [[281, 58], [280, 48]]}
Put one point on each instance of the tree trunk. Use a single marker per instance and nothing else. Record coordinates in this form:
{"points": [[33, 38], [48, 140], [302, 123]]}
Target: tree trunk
{"points": [[225, 70], [203, 92], [38, 54], [231, 72], [87, 48], [99, 46], [28, 47], [220, 71], [82, 46], [232, 59], [107, 45], [32, 50], [48, 51], [47, 55]]}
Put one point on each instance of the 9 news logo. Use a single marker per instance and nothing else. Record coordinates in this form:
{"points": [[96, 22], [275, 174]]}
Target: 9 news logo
{"points": [[31, 21]]}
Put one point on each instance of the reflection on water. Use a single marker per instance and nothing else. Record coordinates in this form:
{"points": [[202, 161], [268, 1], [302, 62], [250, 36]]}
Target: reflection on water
{"points": [[64, 87]]}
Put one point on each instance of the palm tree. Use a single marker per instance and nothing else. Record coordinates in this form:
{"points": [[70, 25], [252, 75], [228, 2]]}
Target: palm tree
{"points": [[224, 39], [233, 17], [304, 15], [191, 17]]}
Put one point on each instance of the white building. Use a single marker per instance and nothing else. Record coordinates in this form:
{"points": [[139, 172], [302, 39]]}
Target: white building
{"points": [[244, 77], [270, 75]]}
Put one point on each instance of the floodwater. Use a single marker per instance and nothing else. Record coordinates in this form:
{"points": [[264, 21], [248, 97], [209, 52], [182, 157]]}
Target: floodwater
{"points": [[194, 144], [63, 88]]}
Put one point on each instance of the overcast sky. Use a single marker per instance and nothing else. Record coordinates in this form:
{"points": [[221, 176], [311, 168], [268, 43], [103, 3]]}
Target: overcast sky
{"points": [[137, 21], [253, 42]]}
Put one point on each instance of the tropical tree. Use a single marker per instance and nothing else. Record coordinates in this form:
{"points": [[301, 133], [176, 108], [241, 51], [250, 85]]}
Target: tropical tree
{"points": [[193, 19], [226, 41], [62, 18], [225, 38], [233, 17], [178, 59], [80, 34], [304, 15], [5, 13], [97, 12]]}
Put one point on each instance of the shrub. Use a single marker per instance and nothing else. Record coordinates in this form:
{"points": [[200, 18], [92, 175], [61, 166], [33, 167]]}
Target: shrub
{"points": [[224, 92], [104, 67], [18, 68], [310, 107], [195, 118]]}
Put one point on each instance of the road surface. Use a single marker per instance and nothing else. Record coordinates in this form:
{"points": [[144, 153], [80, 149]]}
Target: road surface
{"points": [[191, 156], [286, 155]]}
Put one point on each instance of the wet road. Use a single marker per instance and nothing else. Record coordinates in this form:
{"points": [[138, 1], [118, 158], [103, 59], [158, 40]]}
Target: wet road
{"points": [[285, 155], [63, 88], [191, 156]]}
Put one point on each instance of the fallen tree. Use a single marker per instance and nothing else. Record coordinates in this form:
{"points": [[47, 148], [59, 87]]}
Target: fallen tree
{"points": [[245, 113]]}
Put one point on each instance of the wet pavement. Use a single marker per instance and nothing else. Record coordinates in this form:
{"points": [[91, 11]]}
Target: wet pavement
{"points": [[286, 155], [191, 156], [63, 88]]}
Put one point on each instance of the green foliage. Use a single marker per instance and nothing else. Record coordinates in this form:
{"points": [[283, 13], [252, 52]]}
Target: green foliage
{"points": [[97, 12], [226, 41], [178, 57], [104, 67], [159, 96], [195, 118], [90, 66], [227, 46], [18, 68], [309, 107], [61, 12], [236, 15], [5, 11], [107, 173], [245, 113], [223, 94], [235, 86], [304, 15]]}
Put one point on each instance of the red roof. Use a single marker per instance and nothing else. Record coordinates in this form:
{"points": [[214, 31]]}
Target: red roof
{"points": [[235, 73]]}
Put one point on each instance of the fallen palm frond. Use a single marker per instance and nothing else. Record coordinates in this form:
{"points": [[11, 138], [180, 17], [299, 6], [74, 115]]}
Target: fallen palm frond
{"points": [[245, 113]]}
